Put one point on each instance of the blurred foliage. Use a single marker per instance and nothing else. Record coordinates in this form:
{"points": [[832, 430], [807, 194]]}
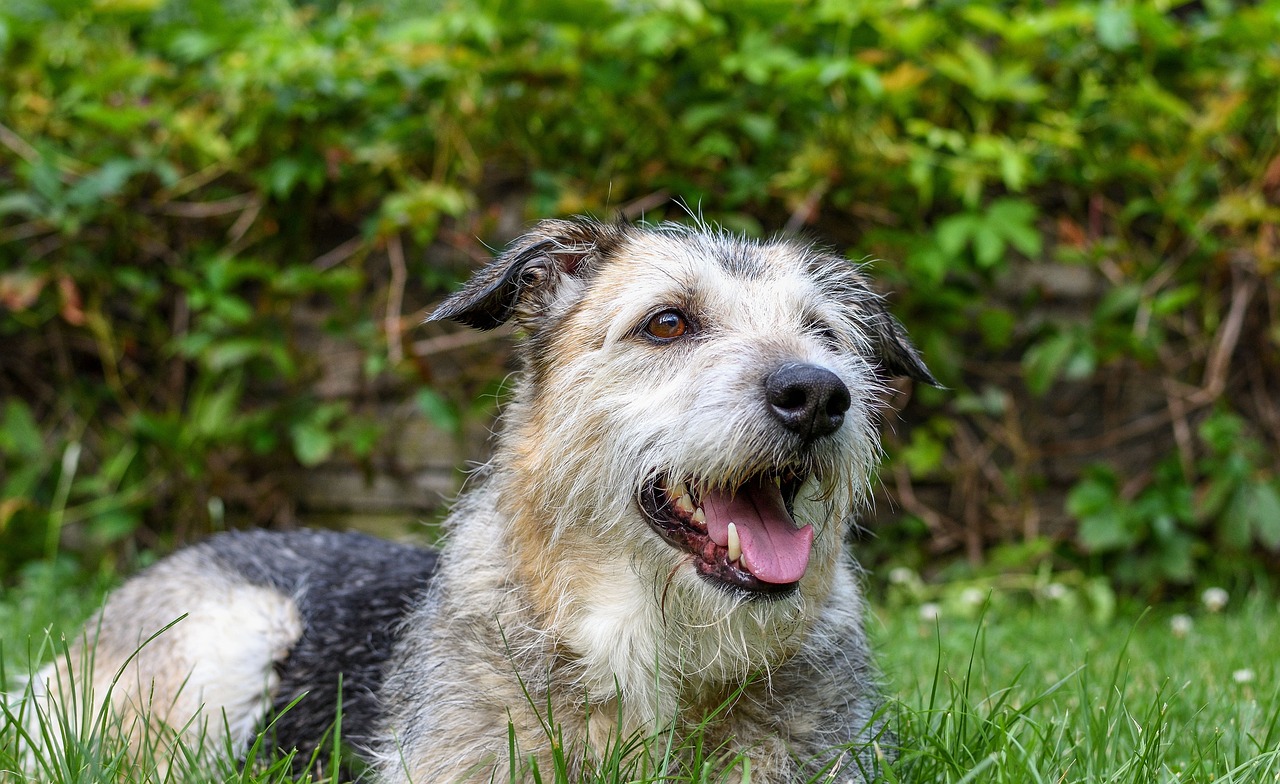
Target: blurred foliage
{"points": [[180, 182]]}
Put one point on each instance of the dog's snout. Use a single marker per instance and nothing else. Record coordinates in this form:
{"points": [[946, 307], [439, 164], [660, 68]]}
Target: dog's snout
{"points": [[808, 400]]}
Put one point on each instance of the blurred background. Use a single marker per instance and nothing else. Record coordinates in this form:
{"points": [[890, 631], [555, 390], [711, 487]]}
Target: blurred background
{"points": [[222, 222]]}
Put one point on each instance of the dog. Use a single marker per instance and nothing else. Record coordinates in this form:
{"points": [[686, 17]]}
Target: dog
{"points": [[656, 550]]}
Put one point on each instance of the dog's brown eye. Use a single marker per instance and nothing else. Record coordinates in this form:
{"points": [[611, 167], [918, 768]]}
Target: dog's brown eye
{"points": [[667, 325]]}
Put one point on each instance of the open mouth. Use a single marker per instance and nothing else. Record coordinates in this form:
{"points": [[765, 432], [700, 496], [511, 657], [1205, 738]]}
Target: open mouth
{"points": [[744, 537]]}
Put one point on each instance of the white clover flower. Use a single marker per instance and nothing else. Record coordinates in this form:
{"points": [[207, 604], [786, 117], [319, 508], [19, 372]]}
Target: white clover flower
{"points": [[1243, 676], [1180, 625], [902, 575], [930, 611], [1214, 599], [972, 597]]}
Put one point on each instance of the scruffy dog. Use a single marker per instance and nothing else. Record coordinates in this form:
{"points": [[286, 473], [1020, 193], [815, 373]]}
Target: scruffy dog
{"points": [[656, 547]]}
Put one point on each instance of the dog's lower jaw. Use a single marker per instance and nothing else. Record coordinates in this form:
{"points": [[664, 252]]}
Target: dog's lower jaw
{"points": [[631, 615]]}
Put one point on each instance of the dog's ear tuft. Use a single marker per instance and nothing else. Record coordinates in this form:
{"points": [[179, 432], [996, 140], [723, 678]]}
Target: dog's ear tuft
{"points": [[895, 352], [529, 271]]}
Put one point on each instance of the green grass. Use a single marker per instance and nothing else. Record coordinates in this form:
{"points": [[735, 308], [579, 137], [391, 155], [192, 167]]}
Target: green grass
{"points": [[1017, 693], [1034, 694]]}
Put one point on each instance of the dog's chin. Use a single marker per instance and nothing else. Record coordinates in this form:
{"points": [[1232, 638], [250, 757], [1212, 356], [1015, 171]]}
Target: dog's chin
{"points": [[693, 522]]}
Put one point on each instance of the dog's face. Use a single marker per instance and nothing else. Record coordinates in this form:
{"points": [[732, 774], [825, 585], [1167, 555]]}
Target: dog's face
{"points": [[696, 408]]}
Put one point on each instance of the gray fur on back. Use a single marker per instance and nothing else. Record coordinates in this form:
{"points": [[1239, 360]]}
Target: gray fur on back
{"points": [[352, 591]]}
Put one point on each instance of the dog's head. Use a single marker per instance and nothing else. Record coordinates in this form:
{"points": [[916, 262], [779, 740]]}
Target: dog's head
{"points": [[699, 404]]}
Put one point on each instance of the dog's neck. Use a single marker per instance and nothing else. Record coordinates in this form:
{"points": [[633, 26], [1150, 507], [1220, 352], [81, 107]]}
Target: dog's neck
{"points": [[593, 618]]}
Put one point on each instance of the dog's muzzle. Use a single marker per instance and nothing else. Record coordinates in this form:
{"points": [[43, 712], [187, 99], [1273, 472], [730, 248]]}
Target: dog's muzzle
{"points": [[743, 538]]}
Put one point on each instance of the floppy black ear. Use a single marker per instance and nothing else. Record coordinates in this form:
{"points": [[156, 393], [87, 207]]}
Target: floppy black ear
{"points": [[891, 348], [895, 351], [528, 273]]}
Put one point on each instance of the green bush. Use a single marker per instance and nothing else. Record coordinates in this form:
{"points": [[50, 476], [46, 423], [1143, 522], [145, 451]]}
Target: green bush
{"points": [[180, 180]]}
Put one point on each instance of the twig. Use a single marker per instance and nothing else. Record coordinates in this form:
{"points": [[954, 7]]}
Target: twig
{"points": [[207, 209], [25, 231], [339, 254], [1263, 401], [180, 326], [1212, 386], [1215, 372], [933, 520], [1181, 429], [803, 213], [640, 206], [974, 459], [1109, 440], [456, 340], [68, 167], [251, 212], [18, 145], [192, 181], [395, 299]]}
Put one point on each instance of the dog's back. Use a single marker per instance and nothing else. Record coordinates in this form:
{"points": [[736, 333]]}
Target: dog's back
{"points": [[218, 639]]}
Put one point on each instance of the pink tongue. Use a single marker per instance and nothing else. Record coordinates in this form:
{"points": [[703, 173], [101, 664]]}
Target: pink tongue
{"points": [[773, 549]]}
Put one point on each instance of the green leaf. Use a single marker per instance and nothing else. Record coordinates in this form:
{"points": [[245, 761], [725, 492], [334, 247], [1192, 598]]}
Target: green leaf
{"points": [[19, 433], [1175, 558], [1015, 220], [1025, 237], [191, 46], [1235, 522], [1115, 26], [1169, 302], [988, 246], [439, 411], [1117, 302], [1102, 599], [953, 233], [1092, 496], [215, 413], [104, 183], [230, 354], [997, 325], [283, 174], [116, 119], [113, 526], [312, 444], [929, 263], [20, 202], [1006, 212], [924, 454], [1045, 361], [1264, 514], [1107, 531]]}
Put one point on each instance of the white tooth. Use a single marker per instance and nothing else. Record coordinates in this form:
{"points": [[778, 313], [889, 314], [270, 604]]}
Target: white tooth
{"points": [[684, 504], [679, 490], [699, 516], [735, 545]]}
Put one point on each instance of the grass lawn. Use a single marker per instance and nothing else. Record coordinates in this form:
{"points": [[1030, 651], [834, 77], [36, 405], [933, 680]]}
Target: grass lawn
{"points": [[1013, 693], [1045, 694]]}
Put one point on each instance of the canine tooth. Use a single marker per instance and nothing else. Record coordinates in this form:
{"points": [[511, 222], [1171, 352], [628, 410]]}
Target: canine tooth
{"points": [[684, 504], [679, 491], [699, 516], [735, 545]]}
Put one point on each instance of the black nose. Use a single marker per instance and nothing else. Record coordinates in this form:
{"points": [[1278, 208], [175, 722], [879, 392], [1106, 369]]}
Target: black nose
{"points": [[808, 400]]}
